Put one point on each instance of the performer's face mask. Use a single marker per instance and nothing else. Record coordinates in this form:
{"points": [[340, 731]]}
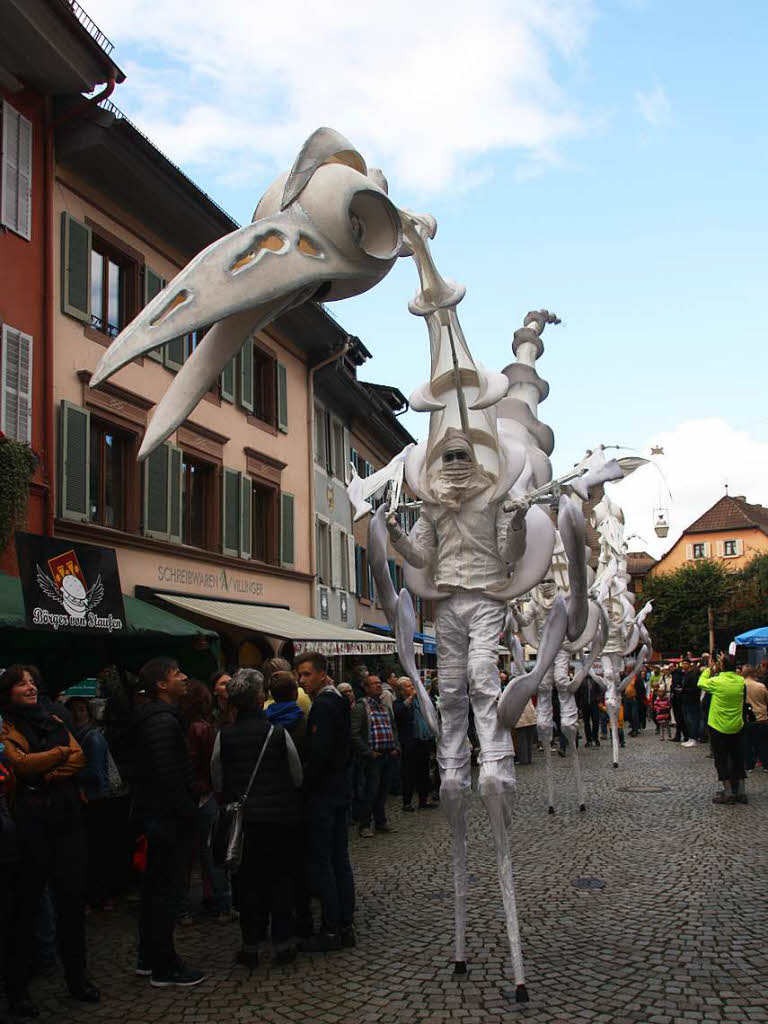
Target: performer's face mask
{"points": [[457, 467]]}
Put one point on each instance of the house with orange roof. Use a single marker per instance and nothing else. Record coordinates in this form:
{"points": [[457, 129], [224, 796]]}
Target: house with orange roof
{"points": [[733, 531]]}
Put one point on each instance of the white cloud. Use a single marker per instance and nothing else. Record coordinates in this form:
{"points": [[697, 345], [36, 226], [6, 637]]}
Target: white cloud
{"points": [[653, 106], [700, 458], [423, 89]]}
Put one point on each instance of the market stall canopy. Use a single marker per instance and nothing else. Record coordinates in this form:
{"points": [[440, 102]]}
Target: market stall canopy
{"points": [[753, 637], [64, 658], [305, 633], [141, 617]]}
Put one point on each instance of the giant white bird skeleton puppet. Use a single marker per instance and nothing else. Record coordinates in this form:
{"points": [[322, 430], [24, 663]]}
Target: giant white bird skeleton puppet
{"points": [[328, 230], [531, 618]]}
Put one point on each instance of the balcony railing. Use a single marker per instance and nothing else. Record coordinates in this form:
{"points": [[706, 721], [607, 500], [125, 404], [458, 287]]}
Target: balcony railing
{"points": [[90, 25]]}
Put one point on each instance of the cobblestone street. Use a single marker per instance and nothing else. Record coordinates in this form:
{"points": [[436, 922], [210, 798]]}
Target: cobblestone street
{"points": [[677, 933]]}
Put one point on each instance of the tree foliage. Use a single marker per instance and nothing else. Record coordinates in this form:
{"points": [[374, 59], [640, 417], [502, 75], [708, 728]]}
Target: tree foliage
{"points": [[17, 467], [681, 599]]}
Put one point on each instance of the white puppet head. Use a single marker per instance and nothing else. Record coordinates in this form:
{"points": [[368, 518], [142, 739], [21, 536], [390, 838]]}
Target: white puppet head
{"points": [[326, 229], [457, 476]]}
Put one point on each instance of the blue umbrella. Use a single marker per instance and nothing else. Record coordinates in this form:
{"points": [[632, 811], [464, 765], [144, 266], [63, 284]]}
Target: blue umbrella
{"points": [[753, 637]]}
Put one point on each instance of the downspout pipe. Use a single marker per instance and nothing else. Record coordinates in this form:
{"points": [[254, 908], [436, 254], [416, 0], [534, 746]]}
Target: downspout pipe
{"points": [[49, 416], [49, 412], [92, 101], [338, 354]]}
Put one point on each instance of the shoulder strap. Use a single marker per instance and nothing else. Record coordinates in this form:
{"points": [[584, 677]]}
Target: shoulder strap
{"points": [[258, 763]]}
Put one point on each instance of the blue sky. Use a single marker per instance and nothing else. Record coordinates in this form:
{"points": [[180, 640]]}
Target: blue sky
{"points": [[604, 159]]}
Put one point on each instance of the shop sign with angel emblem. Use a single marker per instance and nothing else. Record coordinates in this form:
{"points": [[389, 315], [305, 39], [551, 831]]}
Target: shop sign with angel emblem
{"points": [[69, 587]]}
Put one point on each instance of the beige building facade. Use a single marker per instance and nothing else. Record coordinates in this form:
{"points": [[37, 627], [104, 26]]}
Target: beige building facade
{"points": [[221, 509]]}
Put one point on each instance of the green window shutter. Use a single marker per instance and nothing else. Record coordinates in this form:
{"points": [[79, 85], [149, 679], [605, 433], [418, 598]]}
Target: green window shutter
{"points": [[282, 398], [75, 268], [74, 462], [246, 516], [153, 285], [246, 375], [228, 381], [287, 556], [173, 354], [230, 512], [156, 494], [175, 471]]}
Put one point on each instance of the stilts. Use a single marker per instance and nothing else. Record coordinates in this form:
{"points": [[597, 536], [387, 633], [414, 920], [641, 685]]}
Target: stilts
{"points": [[454, 795], [496, 795]]}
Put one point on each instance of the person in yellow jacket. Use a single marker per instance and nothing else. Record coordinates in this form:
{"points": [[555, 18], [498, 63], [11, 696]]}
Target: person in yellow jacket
{"points": [[726, 725]]}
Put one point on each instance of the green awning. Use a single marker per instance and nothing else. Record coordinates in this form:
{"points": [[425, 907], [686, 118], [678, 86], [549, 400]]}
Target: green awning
{"points": [[65, 658], [141, 618]]}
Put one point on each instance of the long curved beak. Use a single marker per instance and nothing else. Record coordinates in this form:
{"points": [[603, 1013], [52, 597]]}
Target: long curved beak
{"points": [[247, 269], [220, 344]]}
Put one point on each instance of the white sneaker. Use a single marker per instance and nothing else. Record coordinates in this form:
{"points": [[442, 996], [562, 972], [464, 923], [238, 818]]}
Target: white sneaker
{"points": [[688, 743]]}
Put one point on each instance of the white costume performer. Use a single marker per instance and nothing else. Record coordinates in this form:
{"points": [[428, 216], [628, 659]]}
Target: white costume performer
{"points": [[470, 544], [625, 629], [533, 619]]}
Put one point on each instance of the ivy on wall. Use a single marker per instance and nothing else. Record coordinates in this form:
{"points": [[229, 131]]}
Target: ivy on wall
{"points": [[17, 466]]}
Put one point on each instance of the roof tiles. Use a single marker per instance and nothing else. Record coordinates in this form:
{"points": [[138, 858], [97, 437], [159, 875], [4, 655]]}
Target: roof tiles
{"points": [[731, 513]]}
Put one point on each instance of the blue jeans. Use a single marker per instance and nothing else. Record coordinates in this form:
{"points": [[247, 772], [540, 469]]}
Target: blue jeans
{"points": [[333, 881], [691, 717], [378, 773], [632, 712]]}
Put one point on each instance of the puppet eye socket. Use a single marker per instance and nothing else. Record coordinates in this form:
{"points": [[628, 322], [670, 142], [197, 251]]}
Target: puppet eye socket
{"points": [[176, 301], [373, 225], [272, 241], [308, 247]]}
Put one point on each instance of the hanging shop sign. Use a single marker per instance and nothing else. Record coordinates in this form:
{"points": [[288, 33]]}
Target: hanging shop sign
{"points": [[72, 588], [341, 647]]}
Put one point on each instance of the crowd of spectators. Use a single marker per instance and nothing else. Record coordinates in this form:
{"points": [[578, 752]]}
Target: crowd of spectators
{"points": [[96, 796], [121, 798]]}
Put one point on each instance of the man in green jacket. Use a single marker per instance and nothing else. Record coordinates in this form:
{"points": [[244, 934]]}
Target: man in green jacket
{"points": [[726, 724]]}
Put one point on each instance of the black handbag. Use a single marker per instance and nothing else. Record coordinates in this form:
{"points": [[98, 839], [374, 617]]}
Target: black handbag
{"points": [[228, 838]]}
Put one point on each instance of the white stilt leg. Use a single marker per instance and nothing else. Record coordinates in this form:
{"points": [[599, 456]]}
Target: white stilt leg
{"points": [[496, 797], [570, 732], [611, 664], [544, 732], [613, 714], [453, 803]]}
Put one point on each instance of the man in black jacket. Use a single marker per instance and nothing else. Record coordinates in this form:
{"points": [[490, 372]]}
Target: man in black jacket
{"points": [[690, 698], [167, 809], [327, 754], [676, 699]]}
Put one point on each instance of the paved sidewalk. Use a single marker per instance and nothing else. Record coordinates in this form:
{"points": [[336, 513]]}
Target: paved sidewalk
{"points": [[677, 934]]}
